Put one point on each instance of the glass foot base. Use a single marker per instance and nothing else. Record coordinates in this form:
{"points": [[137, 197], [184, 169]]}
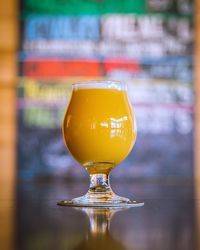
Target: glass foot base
{"points": [[100, 194], [117, 201]]}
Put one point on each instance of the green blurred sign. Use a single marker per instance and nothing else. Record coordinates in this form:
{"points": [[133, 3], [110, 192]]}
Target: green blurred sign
{"points": [[77, 7], [97, 7]]}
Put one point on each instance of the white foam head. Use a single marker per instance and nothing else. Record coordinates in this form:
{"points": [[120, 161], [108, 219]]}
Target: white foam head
{"points": [[99, 84]]}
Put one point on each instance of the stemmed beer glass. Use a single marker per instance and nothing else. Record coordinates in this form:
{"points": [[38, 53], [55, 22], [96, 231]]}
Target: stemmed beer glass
{"points": [[99, 129]]}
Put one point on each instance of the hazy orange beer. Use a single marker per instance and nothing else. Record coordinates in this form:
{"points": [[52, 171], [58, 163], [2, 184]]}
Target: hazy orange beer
{"points": [[99, 126]]}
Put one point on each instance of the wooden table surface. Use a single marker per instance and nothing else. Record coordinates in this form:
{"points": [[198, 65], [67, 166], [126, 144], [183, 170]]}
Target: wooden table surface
{"points": [[167, 221]]}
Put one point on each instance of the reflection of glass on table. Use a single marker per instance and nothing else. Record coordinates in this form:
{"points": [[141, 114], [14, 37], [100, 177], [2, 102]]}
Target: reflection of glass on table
{"points": [[98, 236]]}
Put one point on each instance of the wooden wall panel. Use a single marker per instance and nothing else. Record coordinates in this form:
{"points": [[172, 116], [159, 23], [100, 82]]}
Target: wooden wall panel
{"points": [[8, 80], [9, 34], [197, 117], [9, 8], [8, 68], [197, 92]]}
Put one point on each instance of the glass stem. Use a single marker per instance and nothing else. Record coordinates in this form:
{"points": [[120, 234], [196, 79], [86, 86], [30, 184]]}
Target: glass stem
{"points": [[99, 183]]}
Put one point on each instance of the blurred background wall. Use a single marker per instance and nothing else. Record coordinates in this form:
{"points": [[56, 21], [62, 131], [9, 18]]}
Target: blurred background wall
{"points": [[146, 43]]}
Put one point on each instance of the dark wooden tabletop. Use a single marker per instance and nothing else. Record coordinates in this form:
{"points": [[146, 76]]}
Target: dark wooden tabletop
{"points": [[165, 222]]}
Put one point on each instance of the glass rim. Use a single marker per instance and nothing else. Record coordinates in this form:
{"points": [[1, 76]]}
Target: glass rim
{"points": [[105, 84]]}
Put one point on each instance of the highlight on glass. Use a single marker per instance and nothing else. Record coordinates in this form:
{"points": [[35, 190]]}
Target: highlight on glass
{"points": [[99, 129]]}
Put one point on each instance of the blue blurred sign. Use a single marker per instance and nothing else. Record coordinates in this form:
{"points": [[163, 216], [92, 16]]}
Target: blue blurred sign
{"points": [[62, 28]]}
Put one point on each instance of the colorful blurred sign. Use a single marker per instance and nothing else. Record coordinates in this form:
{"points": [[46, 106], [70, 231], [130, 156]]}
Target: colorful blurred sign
{"points": [[146, 43]]}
